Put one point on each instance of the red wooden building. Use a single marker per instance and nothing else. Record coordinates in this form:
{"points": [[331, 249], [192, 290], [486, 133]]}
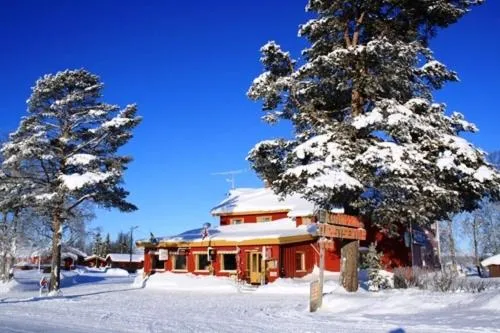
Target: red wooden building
{"points": [[125, 261], [259, 239], [95, 261]]}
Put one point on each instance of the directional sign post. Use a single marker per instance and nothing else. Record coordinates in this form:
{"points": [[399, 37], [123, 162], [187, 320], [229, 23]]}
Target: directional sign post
{"points": [[331, 226]]}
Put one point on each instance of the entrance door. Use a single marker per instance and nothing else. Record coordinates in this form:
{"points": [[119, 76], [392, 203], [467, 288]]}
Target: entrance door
{"points": [[255, 267]]}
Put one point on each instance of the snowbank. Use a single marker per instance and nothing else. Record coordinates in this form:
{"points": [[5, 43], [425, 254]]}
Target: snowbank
{"points": [[9, 286], [300, 285], [116, 272], [405, 302], [190, 282]]}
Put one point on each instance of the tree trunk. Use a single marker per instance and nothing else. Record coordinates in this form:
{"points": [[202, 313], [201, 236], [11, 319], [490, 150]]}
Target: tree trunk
{"points": [[475, 225], [55, 272], [13, 242], [451, 239], [349, 254], [356, 103]]}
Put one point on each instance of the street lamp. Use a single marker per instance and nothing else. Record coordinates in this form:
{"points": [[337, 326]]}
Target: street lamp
{"points": [[131, 244]]}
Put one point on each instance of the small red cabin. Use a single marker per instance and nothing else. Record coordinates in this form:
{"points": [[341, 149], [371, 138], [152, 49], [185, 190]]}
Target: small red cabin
{"points": [[95, 261]]}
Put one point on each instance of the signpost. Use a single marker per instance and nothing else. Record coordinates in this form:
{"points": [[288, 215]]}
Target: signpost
{"points": [[315, 296], [331, 226]]}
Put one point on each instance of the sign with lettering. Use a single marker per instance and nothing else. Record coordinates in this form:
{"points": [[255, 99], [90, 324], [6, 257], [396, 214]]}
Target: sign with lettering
{"points": [[333, 231], [344, 220], [163, 254], [315, 297]]}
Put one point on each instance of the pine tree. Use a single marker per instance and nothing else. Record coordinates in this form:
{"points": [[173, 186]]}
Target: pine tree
{"points": [[98, 245], [376, 280], [106, 246], [67, 145], [368, 135]]}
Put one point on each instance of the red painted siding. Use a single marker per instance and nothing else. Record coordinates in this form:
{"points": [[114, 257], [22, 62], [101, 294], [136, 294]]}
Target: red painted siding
{"points": [[287, 261]]}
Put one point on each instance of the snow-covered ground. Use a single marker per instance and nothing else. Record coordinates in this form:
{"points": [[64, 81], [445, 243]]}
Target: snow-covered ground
{"points": [[95, 302]]}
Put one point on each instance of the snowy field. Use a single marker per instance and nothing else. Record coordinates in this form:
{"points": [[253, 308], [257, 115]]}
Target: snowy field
{"points": [[96, 301]]}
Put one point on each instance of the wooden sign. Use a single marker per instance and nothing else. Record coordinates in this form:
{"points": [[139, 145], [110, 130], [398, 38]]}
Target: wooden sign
{"points": [[315, 296], [333, 231], [344, 220]]}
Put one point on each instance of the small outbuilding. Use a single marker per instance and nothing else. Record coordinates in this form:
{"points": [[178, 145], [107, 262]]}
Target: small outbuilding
{"points": [[493, 265], [125, 261], [95, 261]]}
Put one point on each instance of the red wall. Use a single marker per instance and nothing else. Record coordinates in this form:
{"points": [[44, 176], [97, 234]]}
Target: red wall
{"points": [[287, 259], [395, 252], [225, 220]]}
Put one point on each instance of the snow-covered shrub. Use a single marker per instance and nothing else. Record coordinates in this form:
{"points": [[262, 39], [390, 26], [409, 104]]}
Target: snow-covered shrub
{"points": [[410, 277], [476, 285], [376, 280], [446, 280]]}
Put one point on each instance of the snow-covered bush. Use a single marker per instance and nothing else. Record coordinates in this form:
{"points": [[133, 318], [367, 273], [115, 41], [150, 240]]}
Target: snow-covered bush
{"points": [[410, 277], [446, 280], [376, 279], [477, 285]]}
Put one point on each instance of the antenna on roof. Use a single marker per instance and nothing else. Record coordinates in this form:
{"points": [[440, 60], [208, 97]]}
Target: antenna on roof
{"points": [[231, 174]]}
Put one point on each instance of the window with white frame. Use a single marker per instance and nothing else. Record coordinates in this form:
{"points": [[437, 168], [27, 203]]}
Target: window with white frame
{"points": [[300, 261], [264, 218], [236, 221], [201, 261], [179, 262], [228, 262]]}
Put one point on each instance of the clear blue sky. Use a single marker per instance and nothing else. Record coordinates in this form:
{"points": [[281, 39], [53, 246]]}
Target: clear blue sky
{"points": [[188, 65]]}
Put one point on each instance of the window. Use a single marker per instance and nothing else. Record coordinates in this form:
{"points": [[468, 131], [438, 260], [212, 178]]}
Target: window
{"points": [[306, 220], [180, 262], [228, 262], [157, 263], [300, 261], [236, 221], [202, 262], [264, 218]]}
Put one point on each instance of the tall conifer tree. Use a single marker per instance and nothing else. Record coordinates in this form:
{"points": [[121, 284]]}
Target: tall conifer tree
{"points": [[368, 135], [67, 147]]}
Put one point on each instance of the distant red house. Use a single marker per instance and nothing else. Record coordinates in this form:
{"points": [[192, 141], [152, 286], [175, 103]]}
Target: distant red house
{"points": [[70, 256], [95, 261], [493, 265], [125, 261], [260, 238]]}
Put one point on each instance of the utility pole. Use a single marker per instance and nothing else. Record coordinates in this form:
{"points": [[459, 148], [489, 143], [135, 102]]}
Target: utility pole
{"points": [[131, 244]]}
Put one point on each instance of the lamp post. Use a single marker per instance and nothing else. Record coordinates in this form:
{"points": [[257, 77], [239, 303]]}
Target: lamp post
{"points": [[131, 244]]}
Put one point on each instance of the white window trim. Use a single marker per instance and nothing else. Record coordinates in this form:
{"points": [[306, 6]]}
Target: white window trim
{"points": [[262, 217], [231, 221], [303, 261], [174, 260], [196, 269]]}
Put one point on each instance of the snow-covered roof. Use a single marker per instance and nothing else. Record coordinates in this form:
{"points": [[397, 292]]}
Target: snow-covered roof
{"points": [[495, 260], [93, 257], [285, 227], [125, 257], [67, 250], [245, 200]]}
